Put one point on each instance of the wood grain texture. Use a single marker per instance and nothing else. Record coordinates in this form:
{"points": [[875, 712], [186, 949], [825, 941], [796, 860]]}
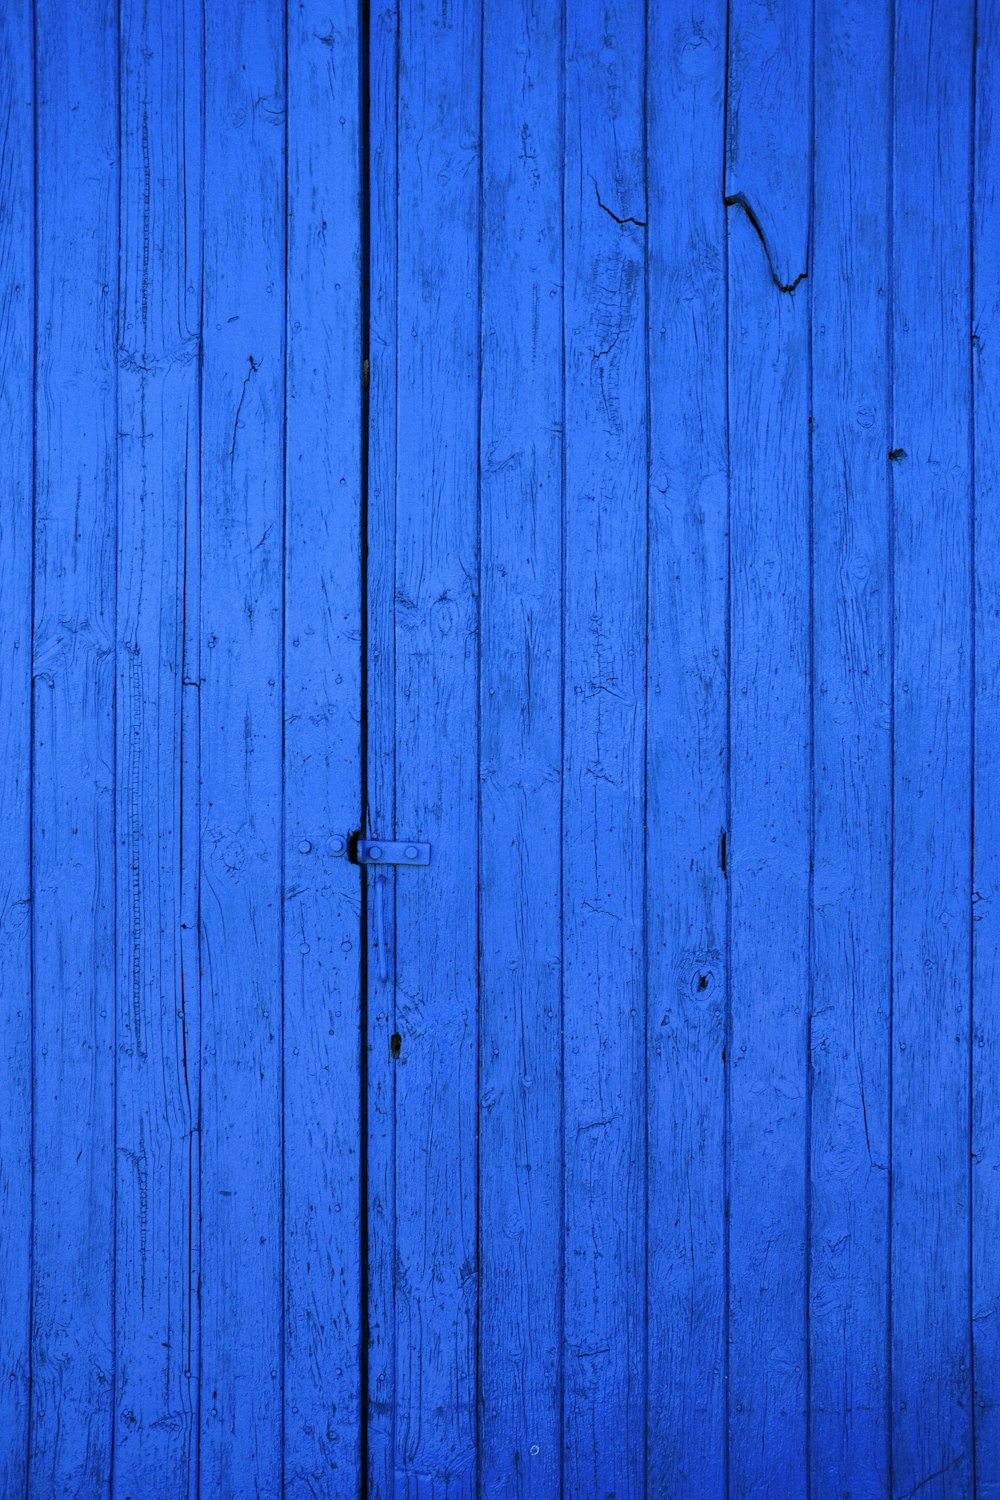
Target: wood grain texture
{"points": [[156, 1428], [852, 693], [322, 773], [986, 784], [380, 747], [768, 189], [73, 832], [17, 277], [931, 1333], [241, 749], [604, 599], [520, 748], [435, 959], [17, 336], [567, 435], [686, 782]]}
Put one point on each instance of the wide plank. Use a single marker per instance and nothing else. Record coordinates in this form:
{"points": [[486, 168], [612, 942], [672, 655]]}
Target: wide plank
{"points": [[687, 777], [242, 534], [604, 600], [74, 744], [930, 451], [520, 700], [156, 1098], [852, 691], [322, 777], [17, 357], [768, 193], [434, 958], [378, 1080], [986, 783]]}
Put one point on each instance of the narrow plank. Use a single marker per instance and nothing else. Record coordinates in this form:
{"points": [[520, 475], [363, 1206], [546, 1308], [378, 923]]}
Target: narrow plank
{"points": [[930, 436], [322, 1116], [241, 749], [688, 752], [17, 336], [768, 192], [436, 958], [379, 1076], [986, 785], [853, 757], [156, 1431], [521, 715], [603, 765], [73, 833]]}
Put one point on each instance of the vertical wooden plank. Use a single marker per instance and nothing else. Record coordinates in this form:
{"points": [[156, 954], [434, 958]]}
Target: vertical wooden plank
{"points": [[17, 277], [73, 878], [853, 756], [241, 748], [156, 1436], [379, 1078], [768, 192], [605, 689], [930, 441], [322, 1117], [520, 715], [986, 785], [436, 958], [688, 760]]}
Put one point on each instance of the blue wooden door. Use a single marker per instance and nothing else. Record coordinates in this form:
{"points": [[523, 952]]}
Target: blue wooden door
{"points": [[559, 439]]}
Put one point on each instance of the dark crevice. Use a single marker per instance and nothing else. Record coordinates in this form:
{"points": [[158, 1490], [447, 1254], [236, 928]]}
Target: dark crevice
{"points": [[738, 200], [364, 320], [254, 367], [640, 223]]}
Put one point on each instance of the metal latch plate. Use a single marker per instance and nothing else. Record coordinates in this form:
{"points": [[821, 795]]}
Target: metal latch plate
{"points": [[392, 852]]}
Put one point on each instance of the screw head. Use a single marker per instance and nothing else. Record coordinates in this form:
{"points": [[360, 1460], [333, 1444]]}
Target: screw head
{"points": [[336, 844], [412, 851], [374, 851], [305, 847]]}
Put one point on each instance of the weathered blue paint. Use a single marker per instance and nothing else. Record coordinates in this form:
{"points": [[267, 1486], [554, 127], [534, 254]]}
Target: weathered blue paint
{"points": [[564, 436]]}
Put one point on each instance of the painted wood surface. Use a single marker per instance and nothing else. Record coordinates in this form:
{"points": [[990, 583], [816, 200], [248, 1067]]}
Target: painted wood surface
{"points": [[156, 1074], [852, 755], [17, 360], [603, 767], [242, 702], [433, 959], [687, 781], [520, 748], [322, 1114], [74, 770], [985, 1069], [930, 374], [378, 1082], [768, 199], [566, 435]]}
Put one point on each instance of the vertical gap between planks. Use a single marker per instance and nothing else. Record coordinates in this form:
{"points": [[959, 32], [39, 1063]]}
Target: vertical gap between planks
{"points": [[891, 569], [477, 1466], [31, 737], [199, 1384], [394, 1072], [811, 878], [114, 775], [562, 754], [183, 792], [391, 1000], [647, 215], [728, 1022], [972, 728], [283, 809], [364, 374]]}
